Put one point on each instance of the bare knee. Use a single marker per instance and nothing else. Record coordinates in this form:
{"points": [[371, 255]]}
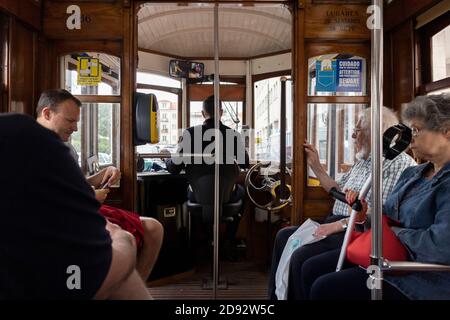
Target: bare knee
{"points": [[153, 229]]}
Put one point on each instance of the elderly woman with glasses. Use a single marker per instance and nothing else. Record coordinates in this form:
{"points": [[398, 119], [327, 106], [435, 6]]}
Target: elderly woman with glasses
{"points": [[420, 203], [332, 230]]}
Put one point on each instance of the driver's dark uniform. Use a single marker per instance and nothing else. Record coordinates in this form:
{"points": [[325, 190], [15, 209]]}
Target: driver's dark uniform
{"points": [[233, 151]]}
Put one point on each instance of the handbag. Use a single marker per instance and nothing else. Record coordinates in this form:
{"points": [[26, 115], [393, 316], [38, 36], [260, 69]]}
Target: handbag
{"points": [[359, 248]]}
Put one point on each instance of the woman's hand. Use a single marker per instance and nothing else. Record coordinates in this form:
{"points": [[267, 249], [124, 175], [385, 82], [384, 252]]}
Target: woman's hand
{"points": [[327, 229]]}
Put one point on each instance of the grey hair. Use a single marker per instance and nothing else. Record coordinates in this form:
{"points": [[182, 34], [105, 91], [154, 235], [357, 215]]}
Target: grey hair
{"points": [[433, 110], [389, 118]]}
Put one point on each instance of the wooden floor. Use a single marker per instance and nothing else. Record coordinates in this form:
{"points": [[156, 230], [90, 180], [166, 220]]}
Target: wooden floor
{"points": [[245, 281]]}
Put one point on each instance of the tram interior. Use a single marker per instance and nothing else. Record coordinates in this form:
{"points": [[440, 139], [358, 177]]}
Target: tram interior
{"points": [[272, 62], [249, 76]]}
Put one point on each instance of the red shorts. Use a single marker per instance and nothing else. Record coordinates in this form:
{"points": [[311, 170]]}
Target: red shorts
{"points": [[127, 220]]}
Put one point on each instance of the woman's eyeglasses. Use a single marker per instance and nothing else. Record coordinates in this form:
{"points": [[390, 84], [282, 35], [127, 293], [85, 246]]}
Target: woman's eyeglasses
{"points": [[414, 131]]}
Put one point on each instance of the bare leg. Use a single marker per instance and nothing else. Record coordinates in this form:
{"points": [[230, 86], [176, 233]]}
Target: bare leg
{"points": [[122, 280], [133, 288], [147, 255]]}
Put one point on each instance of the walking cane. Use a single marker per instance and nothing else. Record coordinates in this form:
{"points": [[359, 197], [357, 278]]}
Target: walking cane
{"points": [[399, 133]]}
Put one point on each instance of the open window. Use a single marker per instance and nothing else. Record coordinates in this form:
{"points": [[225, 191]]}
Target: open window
{"points": [[267, 103], [168, 95], [94, 78]]}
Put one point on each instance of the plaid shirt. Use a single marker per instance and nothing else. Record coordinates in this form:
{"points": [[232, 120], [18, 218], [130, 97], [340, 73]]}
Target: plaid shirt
{"points": [[354, 179]]}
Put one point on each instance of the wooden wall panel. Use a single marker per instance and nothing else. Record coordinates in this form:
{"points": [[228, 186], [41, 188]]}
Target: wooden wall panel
{"points": [[46, 66], [198, 92], [22, 75], [387, 73], [328, 27], [399, 11], [402, 65], [27, 11], [336, 21], [4, 40], [299, 116], [99, 21], [128, 79]]}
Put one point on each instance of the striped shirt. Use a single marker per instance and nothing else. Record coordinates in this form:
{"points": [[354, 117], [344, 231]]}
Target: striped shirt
{"points": [[355, 178]]}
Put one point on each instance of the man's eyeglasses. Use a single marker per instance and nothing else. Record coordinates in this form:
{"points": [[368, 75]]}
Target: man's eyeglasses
{"points": [[356, 130], [414, 131]]}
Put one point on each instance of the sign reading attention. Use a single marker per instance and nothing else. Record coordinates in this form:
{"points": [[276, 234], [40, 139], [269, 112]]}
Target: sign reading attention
{"points": [[349, 75]]}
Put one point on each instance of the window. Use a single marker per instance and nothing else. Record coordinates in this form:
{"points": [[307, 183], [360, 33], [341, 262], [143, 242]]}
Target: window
{"points": [[168, 95], [99, 128], [440, 47], [231, 117], [267, 101], [195, 116], [109, 67], [157, 80], [337, 91], [434, 39], [330, 131], [232, 114]]}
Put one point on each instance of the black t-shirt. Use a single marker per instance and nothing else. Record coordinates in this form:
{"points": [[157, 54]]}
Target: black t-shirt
{"points": [[49, 218]]}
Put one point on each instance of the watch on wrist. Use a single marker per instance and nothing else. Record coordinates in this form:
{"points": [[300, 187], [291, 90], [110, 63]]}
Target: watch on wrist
{"points": [[344, 223]]}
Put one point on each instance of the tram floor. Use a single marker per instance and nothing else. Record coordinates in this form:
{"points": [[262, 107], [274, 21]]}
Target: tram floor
{"points": [[245, 280]]}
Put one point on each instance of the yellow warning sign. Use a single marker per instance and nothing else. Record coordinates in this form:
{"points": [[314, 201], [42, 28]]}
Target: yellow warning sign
{"points": [[89, 71]]}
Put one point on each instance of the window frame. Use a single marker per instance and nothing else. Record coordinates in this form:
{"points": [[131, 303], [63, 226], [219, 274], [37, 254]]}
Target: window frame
{"points": [[89, 129], [260, 77], [315, 49], [425, 35]]}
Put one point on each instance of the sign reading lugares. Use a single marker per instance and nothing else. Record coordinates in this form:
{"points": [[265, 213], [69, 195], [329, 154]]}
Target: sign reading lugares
{"points": [[336, 21]]}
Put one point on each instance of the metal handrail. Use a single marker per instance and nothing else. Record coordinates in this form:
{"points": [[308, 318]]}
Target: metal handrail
{"points": [[412, 266]]}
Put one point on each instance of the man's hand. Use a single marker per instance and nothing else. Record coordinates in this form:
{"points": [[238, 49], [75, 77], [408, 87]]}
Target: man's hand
{"points": [[112, 227], [101, 194], [118, 234], [327, 229], [111, 176], [312, 156], [350, 196]]}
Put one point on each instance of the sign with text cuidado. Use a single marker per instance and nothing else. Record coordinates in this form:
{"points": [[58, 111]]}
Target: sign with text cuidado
{"points": [[89, 71], [341, 75], [349, 75]]}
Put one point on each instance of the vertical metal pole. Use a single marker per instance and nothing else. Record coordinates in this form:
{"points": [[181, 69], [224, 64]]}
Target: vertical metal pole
{"points": [[376, 104], [283, 138], [217, 150]]}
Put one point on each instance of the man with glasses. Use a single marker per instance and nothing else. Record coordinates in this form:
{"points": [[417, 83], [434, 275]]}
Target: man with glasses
{"points": [[335, 224]]}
